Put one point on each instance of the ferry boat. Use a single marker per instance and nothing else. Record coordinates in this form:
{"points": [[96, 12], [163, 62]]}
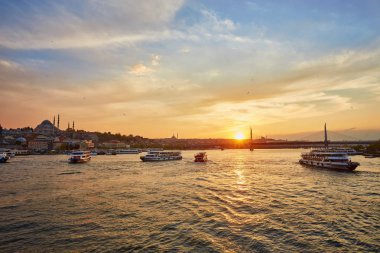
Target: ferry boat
{"points": [[158, 156], [200, 157], [4, 157], [128, 151], [10, 153], [80, 157], [328, 158]]}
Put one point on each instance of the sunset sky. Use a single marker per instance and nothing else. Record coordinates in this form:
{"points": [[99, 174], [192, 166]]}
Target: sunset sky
{"points": [[197, 68]]}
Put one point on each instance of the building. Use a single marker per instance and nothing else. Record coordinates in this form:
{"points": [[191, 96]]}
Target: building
{"points": [[114, 144], [41, 143], [38, 145], [75, 144], [46, 128], [86, 144]]}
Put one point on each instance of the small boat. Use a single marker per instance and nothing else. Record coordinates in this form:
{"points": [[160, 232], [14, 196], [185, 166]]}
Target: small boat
{"points": [[4, 157], [94, 153], [371, 155], [159, 156], [80, 157], [127, 151], [200, 157], [111, 152]]}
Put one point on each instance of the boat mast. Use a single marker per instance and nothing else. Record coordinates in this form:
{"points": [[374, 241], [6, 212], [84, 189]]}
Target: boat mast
{"points": [[326, 142]]}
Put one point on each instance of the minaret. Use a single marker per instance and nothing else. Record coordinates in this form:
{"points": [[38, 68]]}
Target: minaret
{"points": [[53, 127], [73, 125], [326, 141], [68, 126], [58, 122]]}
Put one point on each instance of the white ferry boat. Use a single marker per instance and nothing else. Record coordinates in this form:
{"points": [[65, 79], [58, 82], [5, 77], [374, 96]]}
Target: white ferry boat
{"points": [[10, 153], [80, 157], [331, 158], [128, 151], [158, 156], [328, 158]]}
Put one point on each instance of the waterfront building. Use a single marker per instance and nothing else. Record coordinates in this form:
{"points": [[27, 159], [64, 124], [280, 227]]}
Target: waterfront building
{"points": [[114, 144], [38, 145], [86, 144], [41, 143], [58, 143]]}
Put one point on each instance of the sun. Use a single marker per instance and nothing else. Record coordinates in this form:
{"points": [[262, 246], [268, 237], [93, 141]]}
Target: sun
{"points": [[239, 136]]}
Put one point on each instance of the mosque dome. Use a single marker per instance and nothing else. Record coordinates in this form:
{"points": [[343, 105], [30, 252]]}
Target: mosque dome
{"points": [[46, 122], [46, 128], [21, 140]]}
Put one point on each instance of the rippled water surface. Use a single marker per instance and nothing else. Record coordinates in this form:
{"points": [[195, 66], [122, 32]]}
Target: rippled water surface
{"points": [[240, 201]]}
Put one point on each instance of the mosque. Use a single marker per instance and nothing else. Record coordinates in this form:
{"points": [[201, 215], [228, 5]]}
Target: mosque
{"points": [[49, 129]]}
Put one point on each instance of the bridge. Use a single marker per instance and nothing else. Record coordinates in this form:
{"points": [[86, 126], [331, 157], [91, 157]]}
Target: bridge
{"points": [[307, 144]]}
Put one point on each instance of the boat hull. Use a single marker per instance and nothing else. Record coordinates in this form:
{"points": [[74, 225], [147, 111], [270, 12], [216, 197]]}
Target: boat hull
{"points": [[4, 159], [159, 159], [327, 165], [128, 152], [73, 160]]}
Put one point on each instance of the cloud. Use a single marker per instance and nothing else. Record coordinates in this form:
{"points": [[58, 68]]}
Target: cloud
{"points": [[100, 23], [216, 23], [155, 60], [326, 86], [140, 70], [185, 50], [6, 65]]}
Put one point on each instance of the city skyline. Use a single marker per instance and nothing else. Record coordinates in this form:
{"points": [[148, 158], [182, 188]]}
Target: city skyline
{"points": [[339, 135], [200, 68]]}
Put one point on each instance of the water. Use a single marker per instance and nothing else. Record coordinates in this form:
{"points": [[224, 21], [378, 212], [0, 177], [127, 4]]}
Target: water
{"points": [[240, 201]]}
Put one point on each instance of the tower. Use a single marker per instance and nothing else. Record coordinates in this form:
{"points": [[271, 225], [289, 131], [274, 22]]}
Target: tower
{"points": [[58, 122], [73, 125], [326, 141], [53, 127], [251, 143]]}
